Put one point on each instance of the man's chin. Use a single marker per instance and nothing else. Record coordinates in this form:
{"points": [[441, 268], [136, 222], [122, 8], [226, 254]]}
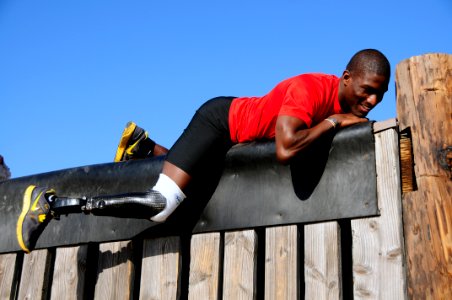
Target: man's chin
{"points": [[359, 114]]}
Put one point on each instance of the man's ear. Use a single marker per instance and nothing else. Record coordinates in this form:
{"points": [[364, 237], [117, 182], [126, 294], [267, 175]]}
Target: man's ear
{"points": [[346, 77]]}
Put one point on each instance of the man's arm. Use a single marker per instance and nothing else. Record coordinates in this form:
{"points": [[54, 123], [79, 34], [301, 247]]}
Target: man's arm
{"points": [[292, 134]]}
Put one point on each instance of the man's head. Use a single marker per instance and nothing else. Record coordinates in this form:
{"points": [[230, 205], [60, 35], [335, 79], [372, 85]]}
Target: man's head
{"points": [[4, 170], [364, 82]]}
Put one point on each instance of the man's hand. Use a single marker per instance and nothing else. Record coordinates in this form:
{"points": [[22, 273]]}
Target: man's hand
{"points": [[345, 120]]}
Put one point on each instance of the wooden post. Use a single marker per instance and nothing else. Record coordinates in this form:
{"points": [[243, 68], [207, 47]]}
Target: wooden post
{"points": [[378, 260], [240, 263], [161, 268], [115, 272], [35, 275], [204, 266], [7, 268], [69, 272], [282, 278], [322, 261], [424, 104]]}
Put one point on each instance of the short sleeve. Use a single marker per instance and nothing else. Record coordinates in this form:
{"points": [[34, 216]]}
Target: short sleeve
{"points": [[299, 101]]}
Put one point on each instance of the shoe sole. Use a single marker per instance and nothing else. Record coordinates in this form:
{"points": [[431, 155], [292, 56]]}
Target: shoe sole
{"points": [[126, 135], [20, 221]]}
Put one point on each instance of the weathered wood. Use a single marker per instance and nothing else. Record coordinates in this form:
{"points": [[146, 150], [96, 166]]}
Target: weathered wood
{"points": [[204, 266], [35, 275], [378, 260], [7, 268], [424, 104], [161, 269], [240, 262], [69, 273], [115, 271], [322, 262], [383, 125], [281, 263]]}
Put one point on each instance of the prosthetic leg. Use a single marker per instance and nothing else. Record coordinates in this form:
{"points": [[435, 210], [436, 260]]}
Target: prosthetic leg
{"points": [[40, 205], [142, 205]]}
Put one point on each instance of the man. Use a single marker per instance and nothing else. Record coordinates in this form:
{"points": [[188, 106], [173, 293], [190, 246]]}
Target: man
{"points": [[295, 113], [4, 170]]}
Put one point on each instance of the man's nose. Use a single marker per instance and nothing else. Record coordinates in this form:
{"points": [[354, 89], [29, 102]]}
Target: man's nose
{"points": [[372, 100]]}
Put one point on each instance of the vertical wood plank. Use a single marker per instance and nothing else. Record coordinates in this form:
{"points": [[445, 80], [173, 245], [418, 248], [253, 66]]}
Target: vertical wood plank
{"points": [[281, 263], [204, 266], [35, 275], [160, 273], [424, 104], [322, 261], [240, 262], [69, 273], [378, 260], [115, 271], [7, 269]]}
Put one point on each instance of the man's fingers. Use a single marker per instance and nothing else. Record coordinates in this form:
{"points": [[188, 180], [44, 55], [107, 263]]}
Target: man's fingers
{"points": [[353, 120]]}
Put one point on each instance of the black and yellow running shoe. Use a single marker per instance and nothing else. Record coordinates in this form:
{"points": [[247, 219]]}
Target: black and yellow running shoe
{"points": [[34, 217], [134, 144]]}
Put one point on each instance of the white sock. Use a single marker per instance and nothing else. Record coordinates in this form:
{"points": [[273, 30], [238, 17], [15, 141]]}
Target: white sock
{"points": [[173, 194]]}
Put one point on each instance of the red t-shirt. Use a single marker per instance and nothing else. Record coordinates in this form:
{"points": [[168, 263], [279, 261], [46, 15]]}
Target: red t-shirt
{"points": [[309, 97]]}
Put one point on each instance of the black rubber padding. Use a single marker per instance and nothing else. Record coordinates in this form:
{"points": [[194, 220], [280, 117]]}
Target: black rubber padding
{"points": [[334, 179]]}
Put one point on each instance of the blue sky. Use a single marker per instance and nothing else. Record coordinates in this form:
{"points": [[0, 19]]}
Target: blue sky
{"points": [[72, 73]]}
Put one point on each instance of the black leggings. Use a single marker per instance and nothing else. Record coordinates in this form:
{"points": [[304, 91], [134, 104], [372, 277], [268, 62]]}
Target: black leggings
{"points": [[206, 140]]}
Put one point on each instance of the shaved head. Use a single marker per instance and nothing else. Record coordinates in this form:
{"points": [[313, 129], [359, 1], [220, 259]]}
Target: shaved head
{"points": [[369, 61]]}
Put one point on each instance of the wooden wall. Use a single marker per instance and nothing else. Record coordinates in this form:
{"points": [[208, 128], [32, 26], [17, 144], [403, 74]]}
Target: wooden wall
{"points": [[361, 258]]}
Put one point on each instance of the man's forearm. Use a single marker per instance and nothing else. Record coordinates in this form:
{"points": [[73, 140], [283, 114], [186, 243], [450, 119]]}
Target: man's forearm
{"points": [[289, 141]]}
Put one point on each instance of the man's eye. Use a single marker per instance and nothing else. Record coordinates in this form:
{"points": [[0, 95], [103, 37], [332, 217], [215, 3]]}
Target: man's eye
{"points": [[364, 92]]}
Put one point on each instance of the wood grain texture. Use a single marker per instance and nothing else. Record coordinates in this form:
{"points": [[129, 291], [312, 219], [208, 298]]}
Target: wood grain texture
{"points": [[7, 268], [204, 266], [322, 262], [240, 262], [378, 260], [424, 104], [160, 273], [383, 125], [35, 275], [69, 273], [281, 263], [115, 272]]}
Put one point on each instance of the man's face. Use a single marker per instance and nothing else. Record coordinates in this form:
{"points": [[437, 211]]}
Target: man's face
{"points": [[362, 92]]}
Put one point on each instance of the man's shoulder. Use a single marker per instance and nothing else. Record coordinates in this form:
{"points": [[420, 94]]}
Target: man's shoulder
{"points": [[311, 79], [319, 76]]}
